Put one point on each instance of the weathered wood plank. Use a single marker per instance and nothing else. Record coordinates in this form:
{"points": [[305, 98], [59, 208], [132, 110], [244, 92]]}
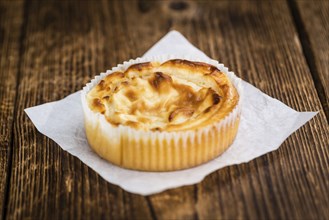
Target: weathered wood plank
{"points": [[68, 43], [11, 17], [259, 42], [313, 24]]}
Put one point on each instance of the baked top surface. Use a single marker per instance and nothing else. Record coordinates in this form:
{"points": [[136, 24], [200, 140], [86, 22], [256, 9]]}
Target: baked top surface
{"points": [[172, 96]]}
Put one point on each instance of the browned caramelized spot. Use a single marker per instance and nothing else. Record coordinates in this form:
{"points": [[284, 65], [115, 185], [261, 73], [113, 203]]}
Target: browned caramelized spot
{"points": [[207, 109], [215, 98], [140, 66], [185, 91], [216, 72], [97, 104], [225, 88], [185, 111], [132, 124], [159, 79], [106, 97], [125, 83], [188, 96], [209, 68], [101, 85], [156, 129], [131, 95]]}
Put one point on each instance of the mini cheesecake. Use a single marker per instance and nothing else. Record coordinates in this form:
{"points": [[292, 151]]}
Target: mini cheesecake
{"points": [[162, 116]]}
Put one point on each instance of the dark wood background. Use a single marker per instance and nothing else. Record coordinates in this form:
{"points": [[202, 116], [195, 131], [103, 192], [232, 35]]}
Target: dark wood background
{"points": [[50, 49]]}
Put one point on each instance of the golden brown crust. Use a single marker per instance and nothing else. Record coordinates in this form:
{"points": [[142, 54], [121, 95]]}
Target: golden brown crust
{"points": [[172, 96]]}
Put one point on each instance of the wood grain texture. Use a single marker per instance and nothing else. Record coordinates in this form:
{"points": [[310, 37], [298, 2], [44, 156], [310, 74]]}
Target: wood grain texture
{"points": [[11, 14], [312, 21], [66, 44]]}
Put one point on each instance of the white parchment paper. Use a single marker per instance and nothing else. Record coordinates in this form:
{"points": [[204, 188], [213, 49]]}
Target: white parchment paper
{"points": [[265, 124]]}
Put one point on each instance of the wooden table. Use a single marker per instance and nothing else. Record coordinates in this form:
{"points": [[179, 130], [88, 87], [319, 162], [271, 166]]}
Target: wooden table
{"points": [[50, 49]]}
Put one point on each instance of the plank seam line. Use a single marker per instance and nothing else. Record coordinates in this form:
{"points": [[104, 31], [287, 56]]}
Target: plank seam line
{"points": [[150, 206], [196, 199], [309, 55], [18, 74]]}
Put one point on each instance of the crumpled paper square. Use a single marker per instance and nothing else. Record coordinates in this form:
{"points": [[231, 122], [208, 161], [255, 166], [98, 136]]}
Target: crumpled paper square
{"points": [[265, 124]]}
